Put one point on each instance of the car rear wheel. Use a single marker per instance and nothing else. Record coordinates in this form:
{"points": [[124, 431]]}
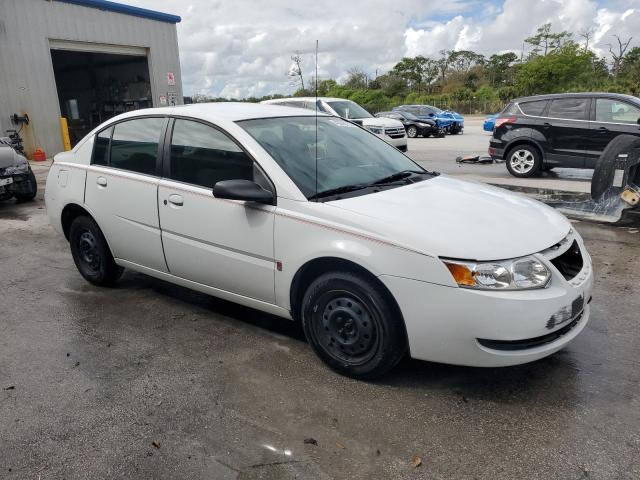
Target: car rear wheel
{"points": [[412, 132], [91, 253], [352, 326], [524, 161]]}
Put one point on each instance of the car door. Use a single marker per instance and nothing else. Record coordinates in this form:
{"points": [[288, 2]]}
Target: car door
{"points": [[122, 189], [610, 118], [566, 128], [225, 244]]}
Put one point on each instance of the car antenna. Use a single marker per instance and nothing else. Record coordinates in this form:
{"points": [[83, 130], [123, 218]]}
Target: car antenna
{"points": [[316, 119]]}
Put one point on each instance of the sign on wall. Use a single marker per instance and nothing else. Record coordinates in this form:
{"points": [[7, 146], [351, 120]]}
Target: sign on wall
{"points": [[171, 78]]}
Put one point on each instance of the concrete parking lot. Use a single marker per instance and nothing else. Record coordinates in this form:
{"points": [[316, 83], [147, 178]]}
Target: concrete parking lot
{"points": [[150, 380]]}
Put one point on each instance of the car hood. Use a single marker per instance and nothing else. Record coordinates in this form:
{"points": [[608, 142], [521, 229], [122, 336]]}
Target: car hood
{"points": [[452, 218], [382, 122]]}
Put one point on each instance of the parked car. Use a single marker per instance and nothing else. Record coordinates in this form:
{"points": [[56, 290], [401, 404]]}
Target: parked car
{"points": [[451, 122], [315, 219], [390, 130], [414, 126], [490, 122], [568, 130], [16, 177]]}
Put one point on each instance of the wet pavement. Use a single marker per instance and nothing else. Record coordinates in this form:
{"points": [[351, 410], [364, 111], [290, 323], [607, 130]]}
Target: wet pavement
{"points": [[150, 380]]}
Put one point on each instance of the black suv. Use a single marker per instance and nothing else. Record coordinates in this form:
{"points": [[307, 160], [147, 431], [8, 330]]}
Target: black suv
{"points": [[562, 130]]}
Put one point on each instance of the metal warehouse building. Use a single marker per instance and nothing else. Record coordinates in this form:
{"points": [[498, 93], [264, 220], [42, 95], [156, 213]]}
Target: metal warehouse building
{"points": [[84, 60]]}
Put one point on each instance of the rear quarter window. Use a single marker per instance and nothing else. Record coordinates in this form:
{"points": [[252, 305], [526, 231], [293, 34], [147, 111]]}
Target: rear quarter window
{"points": [[533, 108]]}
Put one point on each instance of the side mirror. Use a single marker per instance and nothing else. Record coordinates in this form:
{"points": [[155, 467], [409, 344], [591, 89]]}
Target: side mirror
{"points": [[242, 190]]}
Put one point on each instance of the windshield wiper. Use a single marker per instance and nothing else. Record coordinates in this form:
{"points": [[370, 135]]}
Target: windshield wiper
{"points": [[399, 176], [339, 190]]}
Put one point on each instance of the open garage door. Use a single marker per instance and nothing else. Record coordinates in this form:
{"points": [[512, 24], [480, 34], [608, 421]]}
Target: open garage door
{"points": [[95, 86]]}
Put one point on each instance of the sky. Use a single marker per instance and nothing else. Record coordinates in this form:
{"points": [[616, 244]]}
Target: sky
{"points": [[242, 48]]}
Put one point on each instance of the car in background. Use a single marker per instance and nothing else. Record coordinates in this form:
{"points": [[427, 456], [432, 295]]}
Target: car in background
{"points": [[16, 177], [390, 130], [490, 122], [374, 256], [451, 122], [569, 130], [414, 126]]}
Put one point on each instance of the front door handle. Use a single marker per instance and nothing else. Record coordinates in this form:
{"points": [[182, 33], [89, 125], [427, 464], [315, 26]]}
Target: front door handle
{"points": [[101, 181], [546, 125], [603, 130], [176, 199]]}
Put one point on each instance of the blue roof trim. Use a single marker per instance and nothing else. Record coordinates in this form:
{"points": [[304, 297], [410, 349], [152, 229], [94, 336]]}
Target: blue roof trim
{"points": [[126, 9]]}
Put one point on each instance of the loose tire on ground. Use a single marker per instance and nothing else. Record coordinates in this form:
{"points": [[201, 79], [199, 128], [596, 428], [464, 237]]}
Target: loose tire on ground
{"points": [[524, 161], [352, 325], [91, 253]]}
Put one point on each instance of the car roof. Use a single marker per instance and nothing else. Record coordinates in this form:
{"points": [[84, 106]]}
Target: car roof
{"points": [[551, 96], [230, 111], [306, 99]]}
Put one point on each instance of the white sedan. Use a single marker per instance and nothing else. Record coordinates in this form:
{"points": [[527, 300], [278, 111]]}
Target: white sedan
{"points": [[317, 220]]}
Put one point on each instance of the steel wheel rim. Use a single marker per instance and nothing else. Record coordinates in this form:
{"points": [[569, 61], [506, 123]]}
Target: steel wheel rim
{"points": [[522, 161], [88, 251], [345, 327]]}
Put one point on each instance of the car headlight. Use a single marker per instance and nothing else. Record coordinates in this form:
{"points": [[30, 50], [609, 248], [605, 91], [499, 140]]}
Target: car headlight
{"points": [[375, 129], [420, 124], [519, 274]]}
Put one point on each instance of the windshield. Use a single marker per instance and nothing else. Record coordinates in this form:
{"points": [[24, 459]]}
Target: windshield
{"points": [[347, 154], [434, 109], [349, 109]]}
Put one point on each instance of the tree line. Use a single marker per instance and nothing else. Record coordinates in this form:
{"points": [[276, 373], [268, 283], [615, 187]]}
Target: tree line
{"points": [[470, 82]]}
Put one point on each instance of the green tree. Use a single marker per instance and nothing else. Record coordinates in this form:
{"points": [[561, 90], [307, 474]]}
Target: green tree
{"points": [[545, 41]]}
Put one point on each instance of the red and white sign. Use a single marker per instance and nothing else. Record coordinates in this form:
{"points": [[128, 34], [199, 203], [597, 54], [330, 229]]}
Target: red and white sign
{"points": [[171, 78]]}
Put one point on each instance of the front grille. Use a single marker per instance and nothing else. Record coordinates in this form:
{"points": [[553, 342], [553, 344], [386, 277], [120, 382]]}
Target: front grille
{"points": [[570, 262], [510, 345], [395, 132]]}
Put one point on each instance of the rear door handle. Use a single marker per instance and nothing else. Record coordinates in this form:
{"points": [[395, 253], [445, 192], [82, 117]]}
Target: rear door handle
{"points": [[603, 130], [176, 199], [546, 125], [101, 181]]}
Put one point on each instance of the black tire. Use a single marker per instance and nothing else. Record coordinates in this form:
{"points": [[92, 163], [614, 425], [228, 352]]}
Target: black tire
{"points": [[352, 325], [91, 253], [524, 161], [29, 194], [412, 131]]}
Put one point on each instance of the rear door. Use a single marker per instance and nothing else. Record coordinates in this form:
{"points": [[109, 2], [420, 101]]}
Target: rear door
{"points": [[225, 244], [610, 118], [122, 188], [566, 128]]}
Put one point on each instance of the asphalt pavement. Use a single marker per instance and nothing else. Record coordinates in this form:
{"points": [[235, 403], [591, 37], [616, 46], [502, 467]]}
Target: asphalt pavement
{"points": [[150, 380]]}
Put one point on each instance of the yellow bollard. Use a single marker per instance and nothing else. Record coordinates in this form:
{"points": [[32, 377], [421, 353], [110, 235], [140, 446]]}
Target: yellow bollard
{"points": [[64, 128]]}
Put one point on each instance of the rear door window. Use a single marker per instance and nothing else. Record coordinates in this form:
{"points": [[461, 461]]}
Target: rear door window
{"points": [[533, 108], [134, 145], [569, 108], [614, 111], [202, 155]]}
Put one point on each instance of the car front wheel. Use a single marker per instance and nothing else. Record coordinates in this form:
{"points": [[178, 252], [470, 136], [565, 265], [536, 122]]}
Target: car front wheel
{"points": [[352, 326], [412, 132], [91, 253], [524, 161]]}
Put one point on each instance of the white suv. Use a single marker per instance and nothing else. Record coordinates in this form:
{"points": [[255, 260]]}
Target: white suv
{"points": [[390, 130]]}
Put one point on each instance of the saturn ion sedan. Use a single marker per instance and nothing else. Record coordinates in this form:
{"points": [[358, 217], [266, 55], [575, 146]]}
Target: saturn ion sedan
{"points": [[315, 219]]}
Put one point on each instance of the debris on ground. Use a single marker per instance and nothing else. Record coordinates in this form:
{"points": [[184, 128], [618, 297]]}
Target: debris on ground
{"points": [[475, 159], [310, 441], [155, 444], [10, 387], [339, 445], [416, 462]]}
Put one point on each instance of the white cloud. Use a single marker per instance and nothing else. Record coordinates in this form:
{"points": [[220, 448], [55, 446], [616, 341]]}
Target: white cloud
{"points": [[243, 47]]}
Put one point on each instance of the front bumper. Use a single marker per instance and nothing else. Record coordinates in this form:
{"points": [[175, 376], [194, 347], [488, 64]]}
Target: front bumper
{"points": [[487, 328], [400, 143]]}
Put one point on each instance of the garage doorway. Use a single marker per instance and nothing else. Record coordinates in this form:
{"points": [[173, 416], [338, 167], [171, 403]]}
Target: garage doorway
{"points": [[93, 87]]}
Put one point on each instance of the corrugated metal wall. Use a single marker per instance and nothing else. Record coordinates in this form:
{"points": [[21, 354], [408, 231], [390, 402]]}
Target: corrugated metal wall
{"points": [[27, 82]]}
